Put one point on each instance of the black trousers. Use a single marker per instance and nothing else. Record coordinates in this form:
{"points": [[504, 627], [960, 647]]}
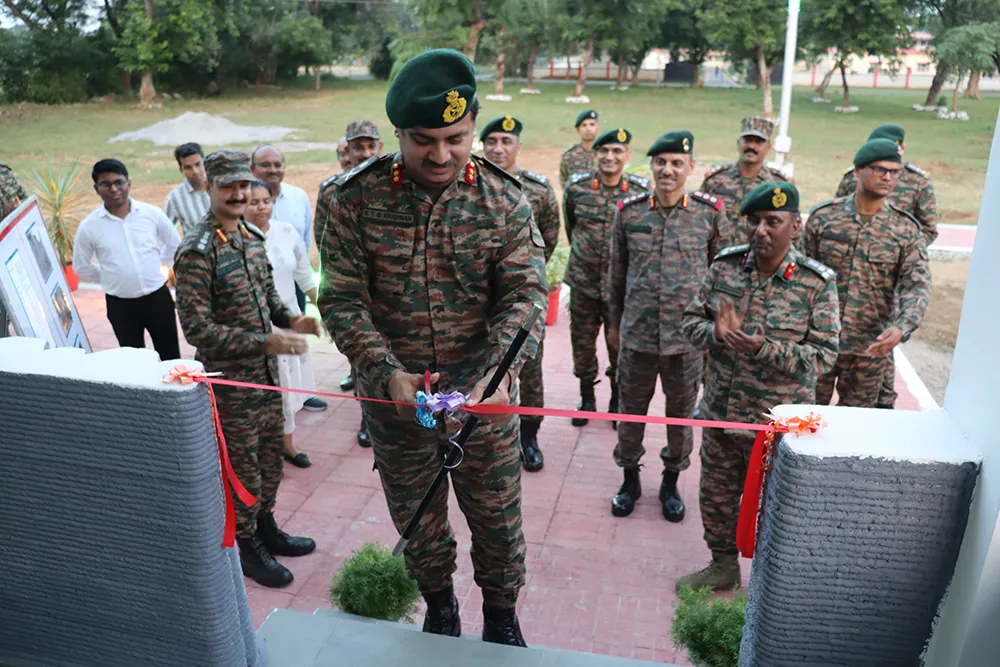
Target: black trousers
{"points": [[131, 318], [300, 296]]}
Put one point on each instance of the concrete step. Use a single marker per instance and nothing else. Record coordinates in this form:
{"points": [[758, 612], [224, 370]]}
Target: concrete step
{"points": [[330, 639]]}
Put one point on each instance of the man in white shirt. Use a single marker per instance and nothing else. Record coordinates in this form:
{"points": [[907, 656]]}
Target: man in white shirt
{"points": [[291, 205], [188, 203], [134, 245]]}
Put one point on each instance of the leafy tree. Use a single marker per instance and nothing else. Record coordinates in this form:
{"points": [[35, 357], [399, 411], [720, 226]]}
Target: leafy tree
{"points": [[855, 27], [628, 45], [381, 64], [587, 23], [684, 32], [969, 48], [943, 15], [750, 29], [302, 41], [50, 15], [528, 27]]}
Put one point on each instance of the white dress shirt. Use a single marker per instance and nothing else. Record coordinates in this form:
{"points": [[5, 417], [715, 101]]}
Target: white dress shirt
{"points": [[289, 261], [292, 205], [186, 206], [131, 253]]}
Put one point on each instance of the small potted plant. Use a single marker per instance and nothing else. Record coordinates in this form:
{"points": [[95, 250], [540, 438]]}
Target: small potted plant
{"points": [[709, 627], [60, 197], [373, 583], [555, 271]]}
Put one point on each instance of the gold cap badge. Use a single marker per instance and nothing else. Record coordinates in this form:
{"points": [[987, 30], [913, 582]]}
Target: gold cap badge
{"points": [[455, 108], [622, 135], [508, 124], [686, 145], [779, 199]]}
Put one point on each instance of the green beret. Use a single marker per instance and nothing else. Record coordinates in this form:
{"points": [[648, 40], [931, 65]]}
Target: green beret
{"points": [[434, 90], [889, 131], [507, 124], [878, 149], [617, 136], [678, 141], [589, 114], [771, 196]]}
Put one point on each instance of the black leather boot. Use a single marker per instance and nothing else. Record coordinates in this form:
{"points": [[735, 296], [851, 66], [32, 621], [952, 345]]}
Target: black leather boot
{"points": [[500, 626], [631, 490], [278, 542], [673, 506], [347, 384], [531, 455], [442, 614], [259, 564], [364, 438], [588, 402], [613, 404]]}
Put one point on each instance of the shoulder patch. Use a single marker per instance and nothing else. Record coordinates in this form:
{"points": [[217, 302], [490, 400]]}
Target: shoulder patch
{"points": [[496, 170], [579, 176], [532, 176], [732, 250], [364, 166], [909, 216], [255, 230], [715, 170], [779, 172], [824, 204], [706, 198], [628, 201], [824, 271], [570, 148], [334, 180], [848, 170], [198, 240], [916, 170], [641, 181]]}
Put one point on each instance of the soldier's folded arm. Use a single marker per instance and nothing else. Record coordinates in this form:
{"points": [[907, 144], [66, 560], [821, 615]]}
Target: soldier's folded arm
{"points": [[618, 270], [345, 301], [697, 322], [818, 352], [926, 212], [518, 283], [548, 223], [569, 215], [913, 289], [194, 301]]}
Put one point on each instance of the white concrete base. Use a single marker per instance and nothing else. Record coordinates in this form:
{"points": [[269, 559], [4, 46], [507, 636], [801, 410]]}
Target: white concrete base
{"points": [[499, 98], [583, 99], [820, 100], [944, 114], [530, 91], [846, 109]]}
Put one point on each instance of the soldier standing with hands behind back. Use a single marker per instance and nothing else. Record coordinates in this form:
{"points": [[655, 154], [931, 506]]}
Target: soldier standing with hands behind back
{"points": [[580, 156], [227, 302]]}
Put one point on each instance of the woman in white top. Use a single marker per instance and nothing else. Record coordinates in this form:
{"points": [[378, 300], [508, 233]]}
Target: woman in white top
{"points": [[291, 267]]}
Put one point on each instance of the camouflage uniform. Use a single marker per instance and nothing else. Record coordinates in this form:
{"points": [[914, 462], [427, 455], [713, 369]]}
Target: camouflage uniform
{"points": [[545, 208], [11, 192], [659, 258], [883, 278], [590, 208], [227, 304], [797, 308], [413, 284], [328, 191], [575, 159], [728, 184]]}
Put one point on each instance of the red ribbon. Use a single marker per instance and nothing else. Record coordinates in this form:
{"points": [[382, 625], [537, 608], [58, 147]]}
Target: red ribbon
{"points": [[228, 477]]}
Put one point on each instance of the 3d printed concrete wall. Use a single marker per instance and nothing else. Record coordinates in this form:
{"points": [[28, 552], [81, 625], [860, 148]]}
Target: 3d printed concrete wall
{"points": [[111, 517], [860, 531]]}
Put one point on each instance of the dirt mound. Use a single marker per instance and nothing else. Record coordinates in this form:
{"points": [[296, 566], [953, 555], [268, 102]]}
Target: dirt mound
{"points": [[204, 128]]}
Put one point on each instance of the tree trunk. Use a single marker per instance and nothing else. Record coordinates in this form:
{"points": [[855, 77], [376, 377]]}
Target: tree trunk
{"points": [[635, 74], [256, 88], [936, 85], [972, 90], [501, 64], [581, 80], [622, 69], [847, 89], [472, 43], [316, 73], [531, 67], [764, 76], [825, 83], [147, 93], [127, 82], [954, 97]]}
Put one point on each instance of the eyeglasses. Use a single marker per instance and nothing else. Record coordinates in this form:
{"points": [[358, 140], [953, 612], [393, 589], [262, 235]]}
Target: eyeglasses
{"points": [[616, 151], [881, 172], [118, 184]]}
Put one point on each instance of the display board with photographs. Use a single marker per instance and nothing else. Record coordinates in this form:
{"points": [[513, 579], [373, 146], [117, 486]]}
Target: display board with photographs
{"points": [[33, 287]]}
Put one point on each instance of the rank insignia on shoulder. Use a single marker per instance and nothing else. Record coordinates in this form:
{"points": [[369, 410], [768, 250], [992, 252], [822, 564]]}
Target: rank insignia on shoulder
{"points": [[916, 170], [397, 174], [532, 176], [848, 170], [711, 200], [470, 173], [824, 271], [579, 176], [713, 171], [824, 204], [733, 250], [628, 201], [641, 181]]}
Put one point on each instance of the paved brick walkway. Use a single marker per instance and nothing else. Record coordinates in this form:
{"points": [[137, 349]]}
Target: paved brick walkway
{"points": [[595, 583]]}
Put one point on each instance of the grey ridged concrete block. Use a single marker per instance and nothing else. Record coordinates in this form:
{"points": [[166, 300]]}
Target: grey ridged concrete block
{"points": [[854, 552], [111, 520]]}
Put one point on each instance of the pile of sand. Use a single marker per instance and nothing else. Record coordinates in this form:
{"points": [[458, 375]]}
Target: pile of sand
{"points": [[205, 129]]}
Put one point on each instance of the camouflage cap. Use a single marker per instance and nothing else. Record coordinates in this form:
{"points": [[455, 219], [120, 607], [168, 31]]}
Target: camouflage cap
{"points": [[362, 129], [755, 126], [771, 196], [589, 114], [507, 124], [228, 166], [617, 136], [434, 90], [889, 131], [678, 141], [876, 150]]}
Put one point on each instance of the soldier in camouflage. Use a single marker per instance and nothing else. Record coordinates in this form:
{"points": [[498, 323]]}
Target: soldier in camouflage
{"points": [[227, 304], [11, 192], [431, 263], [769, 318], [731, 182], [362, 141], [661, 247], [913, 193], [580, 156], [591, 202], [501, 139], [883, 275]]}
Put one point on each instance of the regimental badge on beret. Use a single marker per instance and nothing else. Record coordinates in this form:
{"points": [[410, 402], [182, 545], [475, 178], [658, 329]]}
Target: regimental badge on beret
{"points": [[686, 145], [622, 136], [456, 107], [771, 196], [675, 142], [779, 199], [618, 136], [508, 124]]}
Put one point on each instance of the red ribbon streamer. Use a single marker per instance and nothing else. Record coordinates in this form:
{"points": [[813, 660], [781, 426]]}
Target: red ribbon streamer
{"points": [[228, 477], [746, 527]]}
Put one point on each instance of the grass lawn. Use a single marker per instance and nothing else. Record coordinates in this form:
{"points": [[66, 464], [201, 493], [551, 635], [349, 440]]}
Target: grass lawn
{"points": [[824, 142]]}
